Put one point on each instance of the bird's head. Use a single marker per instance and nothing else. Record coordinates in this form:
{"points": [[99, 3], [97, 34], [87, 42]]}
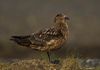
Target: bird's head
{"points": [[61, 18]]}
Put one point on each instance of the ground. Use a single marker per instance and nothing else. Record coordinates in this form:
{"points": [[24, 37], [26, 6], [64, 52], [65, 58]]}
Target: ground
{"points": [[70, 63]]}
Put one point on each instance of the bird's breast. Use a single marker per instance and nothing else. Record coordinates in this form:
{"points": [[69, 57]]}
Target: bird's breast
{"points": [[54, 43]]}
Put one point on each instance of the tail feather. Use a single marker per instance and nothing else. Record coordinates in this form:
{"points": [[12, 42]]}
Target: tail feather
{"points": [[20, 36], [21, 40]]}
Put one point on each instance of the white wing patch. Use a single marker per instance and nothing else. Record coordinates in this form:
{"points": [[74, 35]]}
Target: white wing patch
{"points": [[50, 42]]}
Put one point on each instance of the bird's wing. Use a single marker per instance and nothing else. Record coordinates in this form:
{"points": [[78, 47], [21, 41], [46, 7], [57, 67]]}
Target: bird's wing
{"points": [[47, 34], [40, 39]]}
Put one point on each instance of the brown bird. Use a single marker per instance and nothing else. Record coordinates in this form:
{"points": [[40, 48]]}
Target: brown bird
{"points": [[47, 39]]}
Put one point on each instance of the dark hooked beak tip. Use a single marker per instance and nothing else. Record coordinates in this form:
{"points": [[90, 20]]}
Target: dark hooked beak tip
{"points": [[67, 18]]}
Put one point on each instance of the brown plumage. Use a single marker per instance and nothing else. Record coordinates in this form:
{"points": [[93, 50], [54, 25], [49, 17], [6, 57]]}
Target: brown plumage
{"points": [[46, 39]]}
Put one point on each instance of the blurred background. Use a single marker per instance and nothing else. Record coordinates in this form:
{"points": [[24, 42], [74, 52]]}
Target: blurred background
{"points": [[22, 17]]}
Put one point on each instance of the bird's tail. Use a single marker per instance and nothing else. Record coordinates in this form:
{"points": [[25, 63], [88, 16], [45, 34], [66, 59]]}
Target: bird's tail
{"points": [[21, 40]]}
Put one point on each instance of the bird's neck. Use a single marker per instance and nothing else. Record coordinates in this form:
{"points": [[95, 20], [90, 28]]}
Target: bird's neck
{"points": [[63, 27]]}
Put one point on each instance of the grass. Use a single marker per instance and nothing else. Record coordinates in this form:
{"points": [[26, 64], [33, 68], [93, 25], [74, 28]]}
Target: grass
{"points": [[70, 63]]}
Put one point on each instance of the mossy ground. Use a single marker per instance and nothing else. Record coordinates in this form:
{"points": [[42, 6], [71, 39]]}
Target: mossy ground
{"points": [[70, 63]]}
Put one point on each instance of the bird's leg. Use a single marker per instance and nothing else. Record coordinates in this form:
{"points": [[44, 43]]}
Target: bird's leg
{"points": [[55, 61], [48, 53]]}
